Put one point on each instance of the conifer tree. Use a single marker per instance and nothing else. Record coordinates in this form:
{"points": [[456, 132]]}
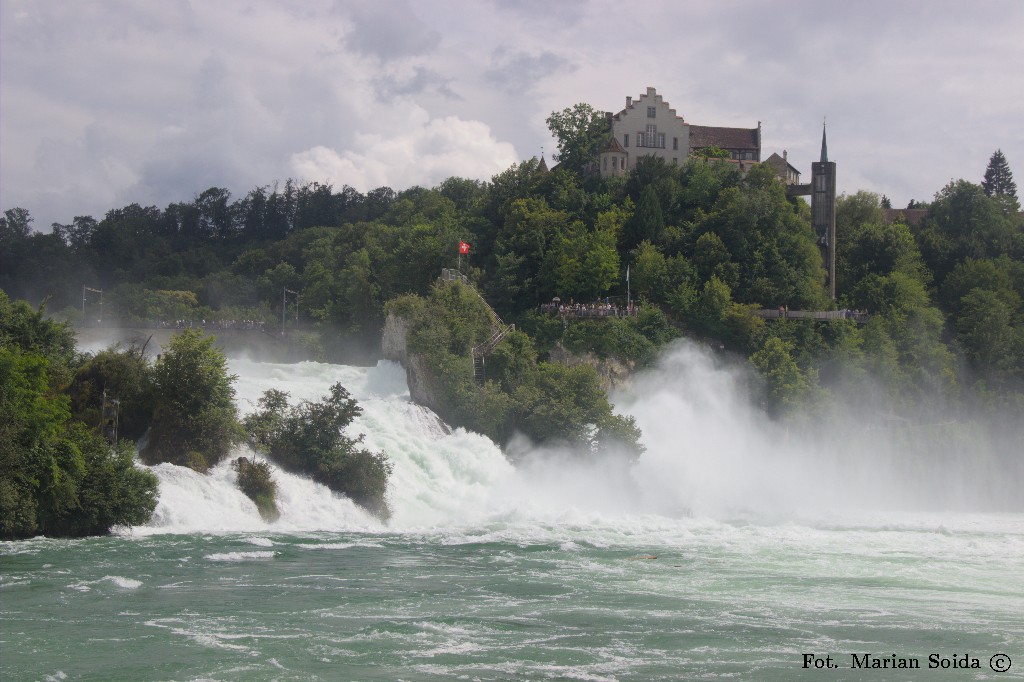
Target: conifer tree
{"points": [[998, 180]]}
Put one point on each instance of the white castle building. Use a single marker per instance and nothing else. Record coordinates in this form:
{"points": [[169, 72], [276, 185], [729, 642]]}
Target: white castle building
{"points": [[649, 126]]}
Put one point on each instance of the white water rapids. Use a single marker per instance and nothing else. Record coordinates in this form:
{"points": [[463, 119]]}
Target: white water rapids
{"points": [[710, 453]]}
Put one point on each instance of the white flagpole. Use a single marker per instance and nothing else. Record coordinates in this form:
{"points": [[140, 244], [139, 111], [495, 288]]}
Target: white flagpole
{"points": [[627, 289]]}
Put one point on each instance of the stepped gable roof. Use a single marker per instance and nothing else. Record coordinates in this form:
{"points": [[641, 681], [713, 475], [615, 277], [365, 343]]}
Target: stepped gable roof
{"points": [[724, 138], [613, 146], [651, 92]]}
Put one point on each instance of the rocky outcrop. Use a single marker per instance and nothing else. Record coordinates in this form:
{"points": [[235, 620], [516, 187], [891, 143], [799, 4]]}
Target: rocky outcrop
{"points": [[393, 342], [612, 372], [394, 347]]}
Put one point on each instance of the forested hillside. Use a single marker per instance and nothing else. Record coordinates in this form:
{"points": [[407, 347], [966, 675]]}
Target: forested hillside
{"points": [[703, 246]]}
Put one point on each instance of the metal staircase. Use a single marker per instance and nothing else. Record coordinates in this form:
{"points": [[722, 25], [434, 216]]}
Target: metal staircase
{"points": [[499, 330]]}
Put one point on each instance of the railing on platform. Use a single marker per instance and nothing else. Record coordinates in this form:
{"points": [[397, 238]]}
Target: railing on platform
{"points": [[589, 310], [453, 275], [821, 315]]}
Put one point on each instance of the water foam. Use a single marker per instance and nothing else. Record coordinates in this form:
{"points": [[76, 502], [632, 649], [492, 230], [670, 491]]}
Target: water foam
{"points": [[710, 452]]}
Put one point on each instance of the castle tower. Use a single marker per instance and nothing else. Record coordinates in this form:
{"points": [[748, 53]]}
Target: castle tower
{"points": [[823, 211]]}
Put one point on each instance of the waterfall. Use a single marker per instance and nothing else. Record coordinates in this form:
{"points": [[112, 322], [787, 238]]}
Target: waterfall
{"points": [[710, 452]]}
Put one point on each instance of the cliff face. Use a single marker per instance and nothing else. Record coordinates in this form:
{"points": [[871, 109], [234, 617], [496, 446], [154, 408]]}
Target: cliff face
{"points": [[613, 372], [393, 347]]}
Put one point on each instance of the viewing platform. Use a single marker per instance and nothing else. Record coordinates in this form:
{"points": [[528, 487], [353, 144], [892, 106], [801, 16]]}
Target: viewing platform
{"points": [[588, 310], [858, 316]]}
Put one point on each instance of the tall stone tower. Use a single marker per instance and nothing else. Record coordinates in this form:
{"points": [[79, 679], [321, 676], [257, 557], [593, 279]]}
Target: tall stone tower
{"points": [[823, 211]]}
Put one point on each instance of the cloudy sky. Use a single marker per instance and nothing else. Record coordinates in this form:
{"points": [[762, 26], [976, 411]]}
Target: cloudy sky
{"points": [[105, 103]]}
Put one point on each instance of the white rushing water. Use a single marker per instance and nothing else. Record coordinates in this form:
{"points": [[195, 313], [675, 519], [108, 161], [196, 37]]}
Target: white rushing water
{"points": [[710, 454]]}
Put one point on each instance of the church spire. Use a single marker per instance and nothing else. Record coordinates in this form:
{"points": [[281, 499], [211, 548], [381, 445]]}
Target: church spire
{"points": [[824, 147]]}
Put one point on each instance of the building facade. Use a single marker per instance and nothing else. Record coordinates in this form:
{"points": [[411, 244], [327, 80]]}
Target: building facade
{"points": [[649, 126]]}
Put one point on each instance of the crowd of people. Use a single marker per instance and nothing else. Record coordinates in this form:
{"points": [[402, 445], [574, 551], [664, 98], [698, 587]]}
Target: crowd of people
{"points": [[599, 309], [245, 325]]}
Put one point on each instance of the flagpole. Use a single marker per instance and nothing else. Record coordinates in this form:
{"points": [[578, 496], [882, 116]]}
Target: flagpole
{"points": [[627, 289]]}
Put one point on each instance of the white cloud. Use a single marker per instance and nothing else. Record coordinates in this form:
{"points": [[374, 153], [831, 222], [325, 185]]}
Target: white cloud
{"points": [[424, 153], [108, 102]]}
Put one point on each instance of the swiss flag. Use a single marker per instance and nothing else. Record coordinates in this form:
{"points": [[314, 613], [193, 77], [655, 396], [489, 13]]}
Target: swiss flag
{"points": [[463, 247]]}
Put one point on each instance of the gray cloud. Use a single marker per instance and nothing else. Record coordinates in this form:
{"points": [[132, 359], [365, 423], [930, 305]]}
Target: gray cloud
{"points": [[387, 30], [518, 71], [109, 102], [422, 81]]}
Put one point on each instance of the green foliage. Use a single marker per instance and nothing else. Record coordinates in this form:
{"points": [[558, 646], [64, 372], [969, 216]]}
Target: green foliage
{"points": [[256, 481], [711, 152], [630, 338], [310, 439], [581, 131], [649, 272], [647, 223], [586, 262], [194, 419], [762, 230], [29, 330], [544, 401], [126, 377], [56, 477], [998, 182], [699, 237], [786, 384], [989, 337], [867, 245]]}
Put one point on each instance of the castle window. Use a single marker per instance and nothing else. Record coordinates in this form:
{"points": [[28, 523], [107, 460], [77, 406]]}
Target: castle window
{"points": [[651, 138], [615, 163], [625, 140], [640, 141], [652, 112], [675, 143], [661, 140], [605, 164]]}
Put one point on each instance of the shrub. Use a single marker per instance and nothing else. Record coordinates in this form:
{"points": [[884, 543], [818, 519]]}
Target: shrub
{"points": [[310, 439], [195, 419], [256, 480]]}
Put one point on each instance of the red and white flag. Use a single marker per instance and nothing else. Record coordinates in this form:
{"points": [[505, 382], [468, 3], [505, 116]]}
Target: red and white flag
{"points": [[463, 247]]}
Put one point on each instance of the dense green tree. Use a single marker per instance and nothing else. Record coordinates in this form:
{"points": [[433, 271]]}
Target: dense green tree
{"points": [[56, 476], [520, 280], [115, 374], [194, 420], [762, 230], [649, 272], [998, 182], [988, 335], [647, 222], [975, 225], [786, 384], [310, 439], [581, 131]]}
